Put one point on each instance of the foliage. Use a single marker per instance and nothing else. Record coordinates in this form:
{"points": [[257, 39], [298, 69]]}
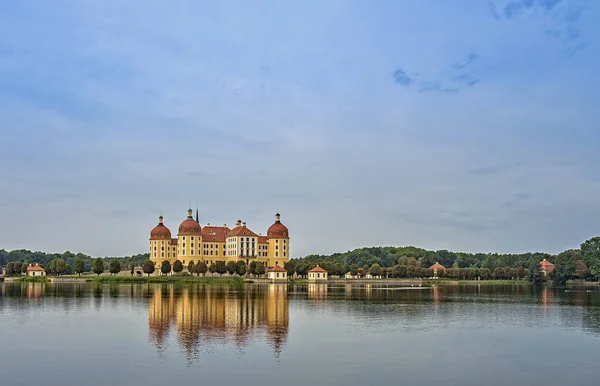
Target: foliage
{"points": [[165, 267], [167, 279], [43, 258], [564, 267], [177, 266], [259, 269], [78, 266], [98, 266], [220, 267], [148, 267], [212, 268], [535, 272], [241, 268], [590, 255], [10, 269], [191, 267], [201, 268], [375, 270], [290, 267], [231, 267], [18, 266], [114, 267]]}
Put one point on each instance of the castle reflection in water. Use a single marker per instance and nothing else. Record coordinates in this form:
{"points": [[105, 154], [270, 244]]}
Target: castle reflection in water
{"points": [[206, 315]]}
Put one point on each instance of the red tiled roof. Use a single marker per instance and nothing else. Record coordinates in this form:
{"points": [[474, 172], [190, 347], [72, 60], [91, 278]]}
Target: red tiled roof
{"points": [[241, 231], [263, 240], [160, 232], [277, 268], [173, 242], [278, 231], [546, 265], [35, 268], [189, 226], [437, 266], [317, 269], [214, 233]]}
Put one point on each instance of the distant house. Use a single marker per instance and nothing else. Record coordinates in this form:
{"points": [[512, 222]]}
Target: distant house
{"points": [[546, 267], [35, 270], [317, 274], [436, 267], [277, 273], [350, 276]]}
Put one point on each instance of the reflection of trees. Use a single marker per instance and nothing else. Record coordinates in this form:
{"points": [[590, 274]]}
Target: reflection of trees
{"points": [[204, 315]]}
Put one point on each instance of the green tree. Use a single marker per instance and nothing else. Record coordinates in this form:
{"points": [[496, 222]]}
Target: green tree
{"points": [[590, 254], [51, 267], [10, 269], [24, 266], [354, 269], [212, 268], [177, 266], [484, 273], [61, 267], [535, 272], [201, 268], [564, 267], [221, 267], [260, 269], [79, 266], [191, 267], [148, 267], [290, 267], [165, 267], [499, 273], [241, 268], [98, 267], [252, 268], [18, 266], [114, 267], [231, 267]]}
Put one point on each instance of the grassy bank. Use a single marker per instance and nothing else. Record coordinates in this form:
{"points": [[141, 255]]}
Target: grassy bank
{"points": [[32, 279], [473, 282], [168, 279]]}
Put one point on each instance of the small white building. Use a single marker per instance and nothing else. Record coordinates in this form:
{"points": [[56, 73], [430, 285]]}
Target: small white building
{"points": [[317, 274], [35, 270], [350, 276], [277, 273]]}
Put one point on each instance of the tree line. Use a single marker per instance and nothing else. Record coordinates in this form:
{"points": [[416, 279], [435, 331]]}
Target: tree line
{"points": [[43, 258], [400, 262], [413, 262]]}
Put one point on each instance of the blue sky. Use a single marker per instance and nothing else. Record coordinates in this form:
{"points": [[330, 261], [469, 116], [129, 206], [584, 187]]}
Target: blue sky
{"points": [[463, 125]]}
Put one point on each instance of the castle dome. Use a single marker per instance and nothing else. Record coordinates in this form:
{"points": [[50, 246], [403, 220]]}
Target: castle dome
{"points": [[278, 230], [160, 231], [189, 226]]}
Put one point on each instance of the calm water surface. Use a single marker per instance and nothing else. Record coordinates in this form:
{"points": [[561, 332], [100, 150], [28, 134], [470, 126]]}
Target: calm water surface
{"points": [[159, 334]]}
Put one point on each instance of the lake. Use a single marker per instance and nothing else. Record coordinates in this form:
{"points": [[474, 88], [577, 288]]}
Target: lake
{"points": [[273, 334]]}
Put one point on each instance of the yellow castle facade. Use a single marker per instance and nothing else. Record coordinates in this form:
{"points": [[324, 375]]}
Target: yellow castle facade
{"points": [[219, 243]]}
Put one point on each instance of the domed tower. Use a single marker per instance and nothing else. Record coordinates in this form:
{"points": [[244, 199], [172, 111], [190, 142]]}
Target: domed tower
{"points": [[279, 243], [160, 238], [189, 239]]}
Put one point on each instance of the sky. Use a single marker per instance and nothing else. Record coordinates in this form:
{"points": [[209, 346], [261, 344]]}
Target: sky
{"points": [[464, 125]]}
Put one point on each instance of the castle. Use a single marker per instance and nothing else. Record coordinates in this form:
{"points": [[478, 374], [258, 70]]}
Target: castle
{"points": [[219, 243]]}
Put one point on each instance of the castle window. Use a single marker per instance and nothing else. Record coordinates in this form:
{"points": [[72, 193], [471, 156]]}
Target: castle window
{"points": [[183, 262], [277, 247], [276, 254], [283, 254], [192, 252]]}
